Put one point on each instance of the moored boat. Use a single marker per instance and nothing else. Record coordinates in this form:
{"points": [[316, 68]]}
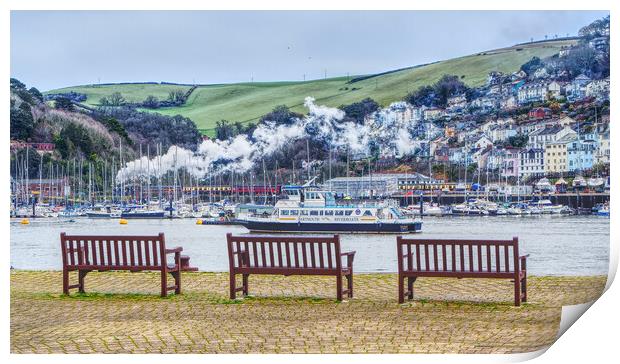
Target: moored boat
{"points": [[306, 209]]}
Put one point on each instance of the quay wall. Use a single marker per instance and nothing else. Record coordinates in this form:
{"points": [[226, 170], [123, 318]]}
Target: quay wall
{"points": [[582, 200]]}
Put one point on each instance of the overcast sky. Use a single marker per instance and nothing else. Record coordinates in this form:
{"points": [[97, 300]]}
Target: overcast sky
{"points": [[52, 49]]}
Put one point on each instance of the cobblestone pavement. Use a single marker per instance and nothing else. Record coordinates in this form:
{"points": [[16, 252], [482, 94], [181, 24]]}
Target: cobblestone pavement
{"points": [[122, 313]]}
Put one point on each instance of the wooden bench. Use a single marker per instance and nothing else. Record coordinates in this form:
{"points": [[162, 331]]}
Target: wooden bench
{"points": [[288, 255], [86, 253], [460, 259]]}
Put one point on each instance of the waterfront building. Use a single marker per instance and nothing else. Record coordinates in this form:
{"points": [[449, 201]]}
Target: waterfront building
{"points": [[550, 133], [531, 162], [602, 153], [581, 154], [376, 185], [556, 154], [510, 162]]}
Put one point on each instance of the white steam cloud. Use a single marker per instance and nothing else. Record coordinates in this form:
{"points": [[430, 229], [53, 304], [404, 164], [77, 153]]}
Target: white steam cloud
{"points": [[383, 129]]}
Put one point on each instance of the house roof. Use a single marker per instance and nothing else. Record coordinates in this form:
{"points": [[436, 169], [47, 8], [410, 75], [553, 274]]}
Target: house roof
{"points": [[547, 130]]}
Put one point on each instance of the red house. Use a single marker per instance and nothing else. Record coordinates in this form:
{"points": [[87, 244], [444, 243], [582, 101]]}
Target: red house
{"points": [[540, 113]]}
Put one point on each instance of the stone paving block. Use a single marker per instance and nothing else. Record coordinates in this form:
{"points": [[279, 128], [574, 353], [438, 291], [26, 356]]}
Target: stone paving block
{"points": [[122, 313]]}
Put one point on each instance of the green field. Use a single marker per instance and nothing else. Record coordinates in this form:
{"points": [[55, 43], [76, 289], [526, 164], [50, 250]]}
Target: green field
{"points": [[247, 102]]}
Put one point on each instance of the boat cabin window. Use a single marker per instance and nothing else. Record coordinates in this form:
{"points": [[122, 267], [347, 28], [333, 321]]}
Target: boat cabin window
{"points": [[284, 212], [303, 212], [367, 213], [330, 200], [397, 213], [339, 213], [329, 212], [314, 213], [293, 212], [348, 212]]}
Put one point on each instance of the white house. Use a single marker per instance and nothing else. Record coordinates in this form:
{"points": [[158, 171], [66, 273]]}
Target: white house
{"points": [[540, 137], [433, 113], [576, 90], [531, 162], [481, 142], [501, 133], [532, 92], [598, 89]]}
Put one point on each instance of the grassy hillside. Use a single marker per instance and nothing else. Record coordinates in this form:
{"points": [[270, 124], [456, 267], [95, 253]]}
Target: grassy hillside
{"points": [[133, 92], [246, 102]]}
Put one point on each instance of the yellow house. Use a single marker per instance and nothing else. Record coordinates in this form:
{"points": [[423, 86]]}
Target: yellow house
{"points": [[556, 156]]}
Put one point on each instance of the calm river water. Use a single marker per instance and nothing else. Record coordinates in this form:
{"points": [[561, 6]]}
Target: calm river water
{"points": [[558, 245]]}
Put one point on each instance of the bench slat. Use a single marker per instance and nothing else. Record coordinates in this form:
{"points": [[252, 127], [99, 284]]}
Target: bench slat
{"points": [[329, 256], [497, 266], [303, 254], [288, 254]]}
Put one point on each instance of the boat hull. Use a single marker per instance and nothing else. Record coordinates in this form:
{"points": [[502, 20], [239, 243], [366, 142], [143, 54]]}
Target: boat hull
{"points": [[98, 215], [354, 228], [143, 215]]}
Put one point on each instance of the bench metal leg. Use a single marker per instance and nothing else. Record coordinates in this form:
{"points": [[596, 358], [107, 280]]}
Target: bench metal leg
{"points": [[517, 291], [81, 275], [65, 281], [410, 281], [524, 288], [177, 281], [339, 287], [233, 286], [245, 281], [350, 285], [164, 283]]}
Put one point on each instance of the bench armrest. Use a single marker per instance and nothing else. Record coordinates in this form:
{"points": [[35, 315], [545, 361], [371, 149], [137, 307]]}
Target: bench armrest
{"points": [[350, 256], [177, 249]]}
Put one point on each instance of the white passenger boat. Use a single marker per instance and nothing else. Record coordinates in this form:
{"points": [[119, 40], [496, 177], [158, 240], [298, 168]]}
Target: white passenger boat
{"points": [[306, 209]]}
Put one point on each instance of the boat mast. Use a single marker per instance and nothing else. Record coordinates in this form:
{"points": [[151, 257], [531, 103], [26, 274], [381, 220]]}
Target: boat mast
{"points": [[264, 181], [148, 172], [120, 165], [139, 175], [27, 178], [330, 167], [41, 179], [347, 184], [308, 155]]}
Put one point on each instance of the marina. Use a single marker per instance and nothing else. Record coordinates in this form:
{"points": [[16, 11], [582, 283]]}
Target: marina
{"points": [[559, 245]]}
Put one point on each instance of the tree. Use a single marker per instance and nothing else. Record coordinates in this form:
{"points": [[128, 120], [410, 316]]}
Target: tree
{"points": [[281, 114], [595, 29], [176, 96], [518, 141], [116, 99], [580, 60], [17, 84], [151, 102], [22, 122], [423, 96], [532, 65], [224, 130], [437, 95], [63, 103], [449, 86], [358, 111], [36, 94]]}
